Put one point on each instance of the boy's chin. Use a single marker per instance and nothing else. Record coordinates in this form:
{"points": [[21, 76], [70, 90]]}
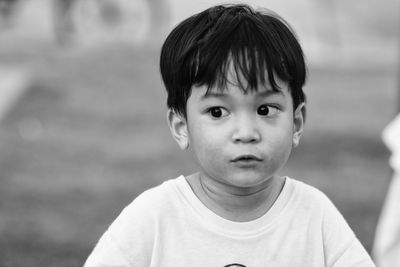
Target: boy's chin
{"points": [[248, 179]]}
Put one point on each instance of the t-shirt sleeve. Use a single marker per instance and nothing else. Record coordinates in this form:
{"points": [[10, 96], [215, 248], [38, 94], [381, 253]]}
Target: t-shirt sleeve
{"points": [[341, 246], [107, 253], [129, 239]]}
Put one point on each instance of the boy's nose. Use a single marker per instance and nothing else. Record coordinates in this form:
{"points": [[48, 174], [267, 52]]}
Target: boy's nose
{"points": [[246, 131]]}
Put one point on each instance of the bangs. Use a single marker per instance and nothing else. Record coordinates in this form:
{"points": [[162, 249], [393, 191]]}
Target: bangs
{"points": [[244, 52]]}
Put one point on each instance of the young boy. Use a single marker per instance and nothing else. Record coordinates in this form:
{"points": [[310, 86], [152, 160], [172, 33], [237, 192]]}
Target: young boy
{"points": [[234, 78]]}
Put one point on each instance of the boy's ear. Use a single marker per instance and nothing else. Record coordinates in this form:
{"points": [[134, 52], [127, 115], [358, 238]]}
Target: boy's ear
{"points": [[298, 123], [178, 126]]}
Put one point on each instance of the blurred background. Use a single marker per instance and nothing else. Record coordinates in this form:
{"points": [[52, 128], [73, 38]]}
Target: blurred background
{"points": [[82, 109]]}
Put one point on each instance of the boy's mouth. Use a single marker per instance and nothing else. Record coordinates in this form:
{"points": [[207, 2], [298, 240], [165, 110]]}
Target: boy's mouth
{"points": [[246, 158]]}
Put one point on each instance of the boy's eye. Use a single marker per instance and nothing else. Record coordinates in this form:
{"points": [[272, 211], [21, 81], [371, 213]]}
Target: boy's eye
{"points": [[217, 112], [266, 110]]}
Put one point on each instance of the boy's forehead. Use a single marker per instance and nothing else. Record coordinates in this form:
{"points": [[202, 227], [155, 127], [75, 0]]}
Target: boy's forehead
{"points": [[233, 75], [263, 90]]}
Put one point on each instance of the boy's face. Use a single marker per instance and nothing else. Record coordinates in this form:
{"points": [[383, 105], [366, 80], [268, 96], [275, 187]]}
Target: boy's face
{"points": [[239, 139]]}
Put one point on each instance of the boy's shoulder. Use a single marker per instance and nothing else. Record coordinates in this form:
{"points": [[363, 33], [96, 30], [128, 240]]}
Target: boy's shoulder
{"points": [[308, 195], [312, 201], [156, 196], [305, 188], [146, 208]]}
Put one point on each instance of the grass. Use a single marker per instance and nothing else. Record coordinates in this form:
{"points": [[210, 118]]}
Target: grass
{"points": [[90, 135]]}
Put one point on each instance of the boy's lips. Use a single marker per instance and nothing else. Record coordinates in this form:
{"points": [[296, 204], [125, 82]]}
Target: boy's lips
{"points": [[246, 158]]}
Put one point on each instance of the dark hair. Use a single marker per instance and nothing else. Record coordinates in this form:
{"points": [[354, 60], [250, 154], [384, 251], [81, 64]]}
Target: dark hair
{"points": [[200, 49]]}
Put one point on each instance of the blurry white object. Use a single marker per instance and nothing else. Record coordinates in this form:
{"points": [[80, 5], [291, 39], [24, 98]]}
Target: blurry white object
{"points": [[386, 249], [13, 83]]}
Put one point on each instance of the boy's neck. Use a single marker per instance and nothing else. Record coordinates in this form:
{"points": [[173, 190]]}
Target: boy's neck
{"points": [[236, 205]]}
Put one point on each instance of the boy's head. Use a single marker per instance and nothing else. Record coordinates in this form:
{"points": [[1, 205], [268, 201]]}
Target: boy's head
{"points": [[234, 78], [202, 49]]}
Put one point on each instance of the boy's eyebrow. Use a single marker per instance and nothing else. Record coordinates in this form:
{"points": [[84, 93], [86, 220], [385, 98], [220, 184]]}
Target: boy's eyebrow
{"points": [[270, 92], [214, 94]]}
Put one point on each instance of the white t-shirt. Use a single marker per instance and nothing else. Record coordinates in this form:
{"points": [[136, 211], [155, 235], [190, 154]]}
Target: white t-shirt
{"points": [[169, 226]]}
